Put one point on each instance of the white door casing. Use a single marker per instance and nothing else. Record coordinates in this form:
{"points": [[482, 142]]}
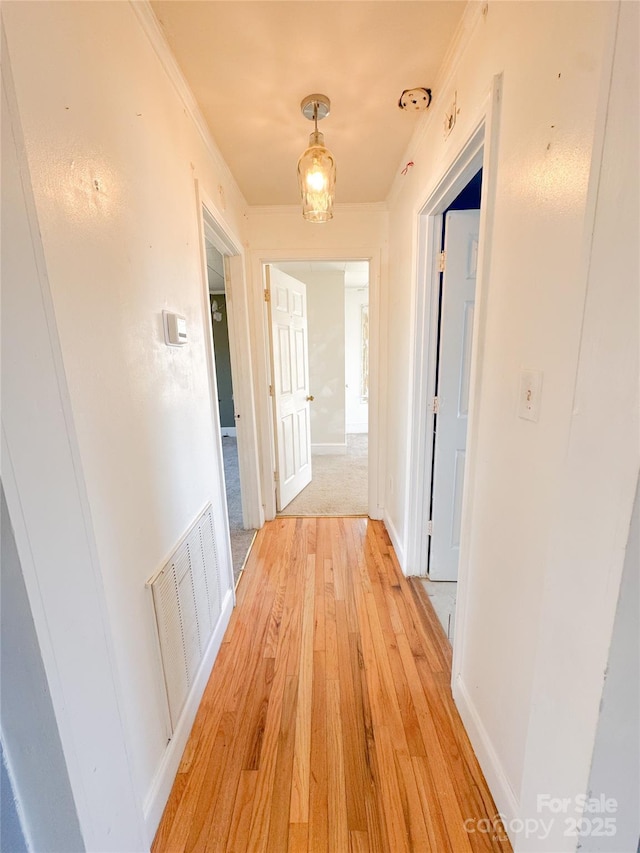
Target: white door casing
{"points": [[240, 351], [454, 374], [290, 378]]}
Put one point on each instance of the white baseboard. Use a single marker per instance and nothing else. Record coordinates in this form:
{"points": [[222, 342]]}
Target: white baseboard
{"points": [[500, 787], [328, 449], [160, 788], [395, 540], [231, 432]]}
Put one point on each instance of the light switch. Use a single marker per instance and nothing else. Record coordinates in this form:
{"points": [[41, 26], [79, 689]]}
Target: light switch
{"points": [[530, 393]]}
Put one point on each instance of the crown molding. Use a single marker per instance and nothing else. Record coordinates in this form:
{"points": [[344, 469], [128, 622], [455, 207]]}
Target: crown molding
{"points": [[153, 30]]}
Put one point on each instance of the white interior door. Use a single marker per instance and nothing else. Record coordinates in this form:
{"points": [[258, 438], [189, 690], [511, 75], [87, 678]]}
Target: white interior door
{"points": [[290, 377], [456, 329]]}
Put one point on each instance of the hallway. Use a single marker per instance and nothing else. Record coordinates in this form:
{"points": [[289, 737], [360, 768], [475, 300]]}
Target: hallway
{"points": [[328, 722]]}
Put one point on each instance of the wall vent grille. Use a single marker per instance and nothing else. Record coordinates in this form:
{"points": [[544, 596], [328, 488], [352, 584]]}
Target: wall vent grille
{"points": [[186, 598]]}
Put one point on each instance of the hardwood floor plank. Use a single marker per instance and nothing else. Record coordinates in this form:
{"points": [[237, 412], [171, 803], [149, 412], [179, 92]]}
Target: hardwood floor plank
{"points": [[241, 816], [328, 724], [397, 830], [373, 802], [318, 785], [421, 646], [214, 774], [353, 554], [339, 560], [439, 763], [298, 837], [163, 835], [331, 640], [261, 816], [256, 718], [393, 715], [319, 635], [292, 611], [354, 745], [246, 739], [281, 793], [180, 826], [262, 563], [299, 812], [337, 795], [252, 634], [410, 723], [396, 584], [358, 842], [433, 815], [418, 835]]}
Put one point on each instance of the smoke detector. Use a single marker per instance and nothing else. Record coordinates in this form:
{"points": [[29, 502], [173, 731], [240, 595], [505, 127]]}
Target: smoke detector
{"points": [[415, 99]]}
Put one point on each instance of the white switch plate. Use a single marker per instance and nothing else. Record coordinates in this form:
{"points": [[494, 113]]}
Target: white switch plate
{"points": [[175, 329], [530, 393]]}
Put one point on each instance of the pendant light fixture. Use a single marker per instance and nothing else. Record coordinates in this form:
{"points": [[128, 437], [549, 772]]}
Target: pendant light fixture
{"points": [[316, 166]]}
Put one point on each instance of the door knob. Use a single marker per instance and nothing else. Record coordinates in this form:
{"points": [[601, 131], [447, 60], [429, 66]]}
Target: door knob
{"points": [[310, 398]]}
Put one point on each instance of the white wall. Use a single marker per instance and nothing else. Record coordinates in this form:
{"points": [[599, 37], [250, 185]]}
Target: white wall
{"points": [[555, 60], [48, 513], [592, 506], [114, 154], [357, 409]]}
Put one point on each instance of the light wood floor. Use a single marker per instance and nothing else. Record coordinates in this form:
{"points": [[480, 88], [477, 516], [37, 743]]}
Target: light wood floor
{"points": [[328, 723]]}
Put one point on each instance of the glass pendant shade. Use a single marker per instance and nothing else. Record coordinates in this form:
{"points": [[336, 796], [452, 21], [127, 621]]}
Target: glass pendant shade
{"points": [[317, 180]]}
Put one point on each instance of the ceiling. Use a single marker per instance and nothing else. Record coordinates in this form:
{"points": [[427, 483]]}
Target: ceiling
{"points": [[249, 64]]}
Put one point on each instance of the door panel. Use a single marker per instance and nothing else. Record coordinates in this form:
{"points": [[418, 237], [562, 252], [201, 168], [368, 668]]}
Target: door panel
{"points": [[284, 360], [454, 371], [304, 427], [287, 436], [290, 370], [301, 359]]}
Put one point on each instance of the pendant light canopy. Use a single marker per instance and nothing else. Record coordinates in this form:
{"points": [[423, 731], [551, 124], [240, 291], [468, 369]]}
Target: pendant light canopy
{"points": [[316, 166]]}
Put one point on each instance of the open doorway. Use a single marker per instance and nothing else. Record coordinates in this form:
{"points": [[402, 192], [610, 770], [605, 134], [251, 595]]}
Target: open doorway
{"points": [[241, 538], [457, 270], [335, 376]]}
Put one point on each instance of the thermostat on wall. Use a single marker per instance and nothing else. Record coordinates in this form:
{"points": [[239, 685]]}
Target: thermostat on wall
{"points": [[175, 329]]}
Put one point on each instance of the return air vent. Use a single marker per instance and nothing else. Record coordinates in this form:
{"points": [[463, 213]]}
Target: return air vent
{"points": [[186, 597]]}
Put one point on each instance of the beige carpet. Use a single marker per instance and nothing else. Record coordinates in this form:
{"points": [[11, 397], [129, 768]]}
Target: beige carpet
{"points": [[339, 485]]}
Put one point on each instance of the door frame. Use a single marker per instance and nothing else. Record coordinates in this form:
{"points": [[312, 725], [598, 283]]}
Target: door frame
{"points": [[479, 150], [430, 224], [263, 370], [214, 229]]}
